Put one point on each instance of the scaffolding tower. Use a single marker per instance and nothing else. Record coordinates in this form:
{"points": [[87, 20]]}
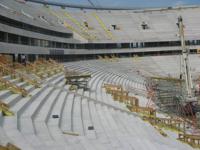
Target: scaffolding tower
{"points": [[175, 96], [169, 92]]}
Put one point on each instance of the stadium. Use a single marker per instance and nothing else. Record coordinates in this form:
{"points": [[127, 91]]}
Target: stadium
{"points": [[77, 76]]}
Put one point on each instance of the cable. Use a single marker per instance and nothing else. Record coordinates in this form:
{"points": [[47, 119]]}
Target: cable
{"points": [[91, 3], [97, 3]]}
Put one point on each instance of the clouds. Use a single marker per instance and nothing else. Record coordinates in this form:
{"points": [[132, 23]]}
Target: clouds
{"points": [[179, 3]]}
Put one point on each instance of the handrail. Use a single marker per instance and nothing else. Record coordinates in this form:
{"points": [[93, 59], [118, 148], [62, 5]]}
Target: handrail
{"points": [[121, 95], [193, 140], [171, 123]]}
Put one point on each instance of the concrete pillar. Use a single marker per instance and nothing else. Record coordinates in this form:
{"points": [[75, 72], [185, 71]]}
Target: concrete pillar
{"points": [[27, 58], [16, 58], [36, 57]]}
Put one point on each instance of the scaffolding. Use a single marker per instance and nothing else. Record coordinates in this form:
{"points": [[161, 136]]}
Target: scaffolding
{"points": [[172, 95], [169, 94]]}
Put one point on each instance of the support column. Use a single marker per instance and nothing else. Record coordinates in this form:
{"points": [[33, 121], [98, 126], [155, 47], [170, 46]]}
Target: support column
{"points": [[15, 57], [36, 57]]}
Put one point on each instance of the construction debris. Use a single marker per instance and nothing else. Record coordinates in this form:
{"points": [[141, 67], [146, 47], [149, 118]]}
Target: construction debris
{"points": [[77, 80], [14, 88], [112, 58], [71, 133], [29, 73], [4, 108], [9, 146]]}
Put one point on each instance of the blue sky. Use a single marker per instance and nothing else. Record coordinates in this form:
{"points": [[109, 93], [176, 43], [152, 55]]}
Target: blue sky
{"points": [[134, 3]]}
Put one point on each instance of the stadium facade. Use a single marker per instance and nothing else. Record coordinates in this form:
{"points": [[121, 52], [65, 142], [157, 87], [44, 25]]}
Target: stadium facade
{"points": [[120, 101], [28, 28]]}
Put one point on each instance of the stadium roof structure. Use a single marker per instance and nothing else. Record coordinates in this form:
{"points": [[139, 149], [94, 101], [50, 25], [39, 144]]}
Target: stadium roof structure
{"points": [[81, 6], [95, 7]]}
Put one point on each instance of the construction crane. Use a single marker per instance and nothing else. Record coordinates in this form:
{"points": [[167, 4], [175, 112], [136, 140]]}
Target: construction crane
{"points": [[185, 64], [190, 101]]}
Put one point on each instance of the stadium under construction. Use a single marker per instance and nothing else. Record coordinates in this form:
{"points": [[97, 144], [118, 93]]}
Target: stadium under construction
{"points": [[88, 77]]}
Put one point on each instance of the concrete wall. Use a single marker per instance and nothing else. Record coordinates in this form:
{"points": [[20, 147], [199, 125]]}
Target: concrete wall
{"points": [[22, 49]]}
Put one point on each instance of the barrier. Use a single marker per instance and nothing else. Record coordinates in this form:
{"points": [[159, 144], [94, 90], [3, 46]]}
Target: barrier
{"points": [[193, 140], [144, 111], [170, 123]]}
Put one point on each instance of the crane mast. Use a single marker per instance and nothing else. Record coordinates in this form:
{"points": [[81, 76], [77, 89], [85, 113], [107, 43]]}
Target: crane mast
{"points": [[185, 64]]}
